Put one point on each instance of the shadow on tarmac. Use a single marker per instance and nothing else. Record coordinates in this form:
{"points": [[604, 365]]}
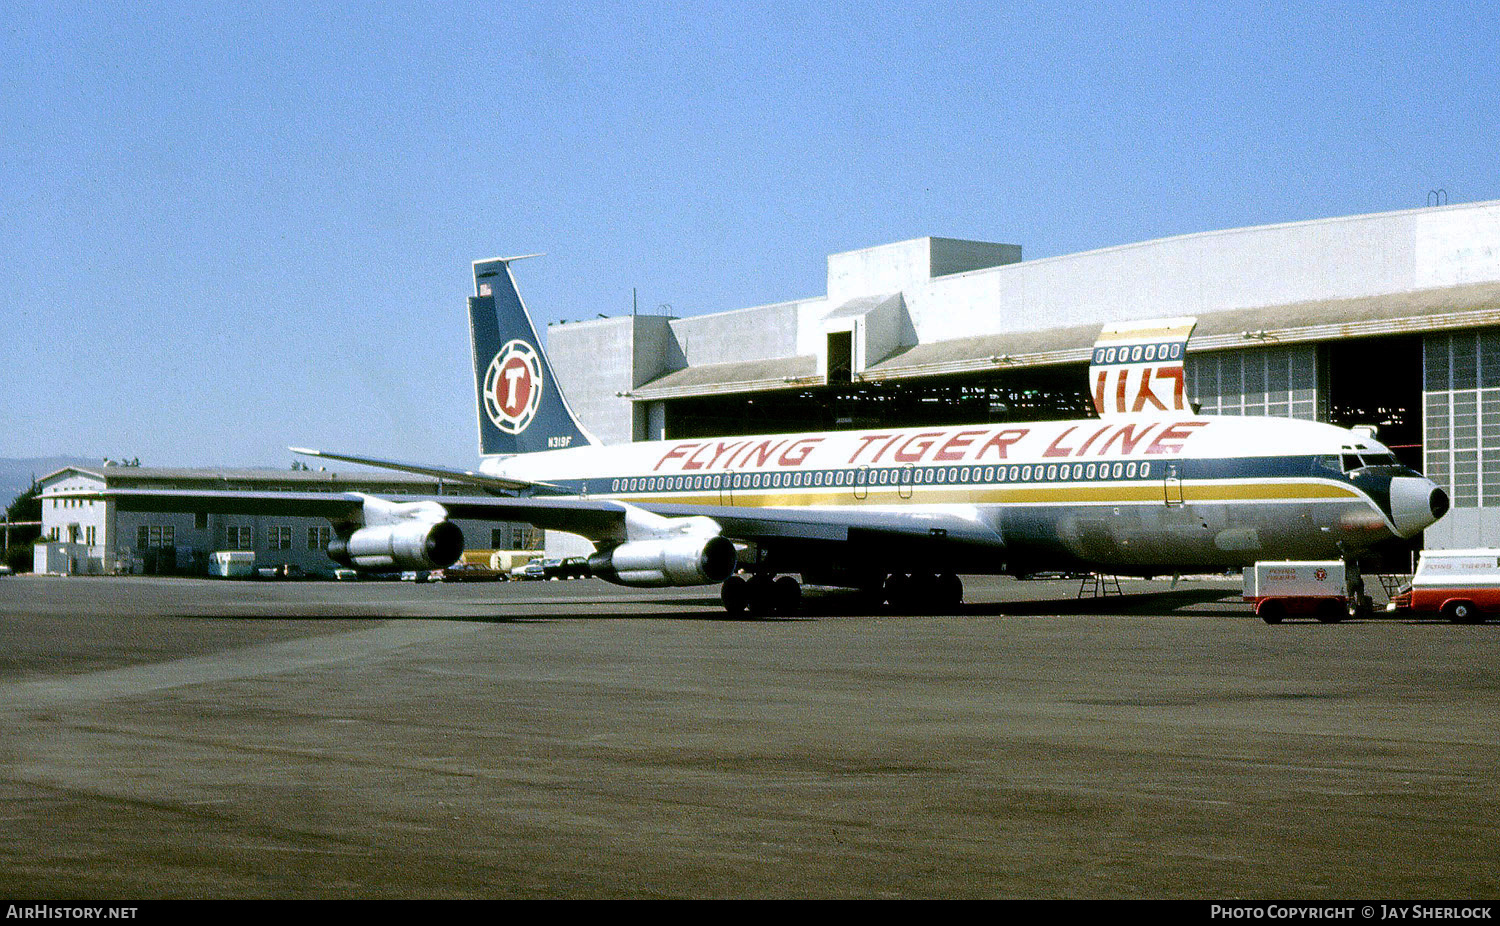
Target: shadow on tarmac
{"points": [[1132, 605]]}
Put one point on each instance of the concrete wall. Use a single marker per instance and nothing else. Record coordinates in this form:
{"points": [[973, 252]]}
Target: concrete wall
{"points": [[593, 362], [761, 333], [890, 268], [951, 255], [599, 361], [1240, 268]]}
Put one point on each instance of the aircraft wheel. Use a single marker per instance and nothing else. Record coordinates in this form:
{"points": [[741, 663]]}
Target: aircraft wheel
{"points": [[735, 595], [950, 591], [898, 591], [786, 595], [923, 592], [760, 595], [872, 592]]}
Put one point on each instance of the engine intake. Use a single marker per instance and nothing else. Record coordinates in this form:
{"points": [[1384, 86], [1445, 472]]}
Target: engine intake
{"points": [[409, 545], [658, 563]]}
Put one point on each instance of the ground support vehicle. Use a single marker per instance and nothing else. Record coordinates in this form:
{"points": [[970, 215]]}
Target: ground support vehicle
{"points": [[1461, 585], [1313, 587]]}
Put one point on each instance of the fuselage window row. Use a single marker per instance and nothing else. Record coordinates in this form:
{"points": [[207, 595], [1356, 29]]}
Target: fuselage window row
{"points": [[887, 476]]}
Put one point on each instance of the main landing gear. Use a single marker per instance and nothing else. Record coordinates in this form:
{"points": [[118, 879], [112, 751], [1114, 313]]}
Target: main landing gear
{"points": [[923, 592], [764, 594]]}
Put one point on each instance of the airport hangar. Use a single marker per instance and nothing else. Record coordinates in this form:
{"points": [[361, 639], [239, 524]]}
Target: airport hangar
{"points": [[1391, 319]]}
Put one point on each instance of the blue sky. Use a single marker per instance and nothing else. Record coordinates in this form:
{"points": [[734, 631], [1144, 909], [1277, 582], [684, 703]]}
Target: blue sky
{"points": [[229, 228]]}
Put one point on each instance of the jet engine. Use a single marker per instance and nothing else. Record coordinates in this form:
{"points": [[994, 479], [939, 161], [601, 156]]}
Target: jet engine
{"points": [[396, 547], [675, 561]]}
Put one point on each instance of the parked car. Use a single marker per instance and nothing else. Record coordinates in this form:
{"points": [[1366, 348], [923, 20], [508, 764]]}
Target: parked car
{"points": [[574, 567], [532, 570], [464, 572]]}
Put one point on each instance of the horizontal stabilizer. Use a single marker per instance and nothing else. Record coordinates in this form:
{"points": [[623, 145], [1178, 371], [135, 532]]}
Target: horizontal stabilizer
{"points": [[437, 472]]}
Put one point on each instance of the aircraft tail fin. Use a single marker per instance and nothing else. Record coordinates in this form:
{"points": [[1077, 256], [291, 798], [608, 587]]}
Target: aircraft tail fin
{"points": [[1137, 367], [521, 408]]}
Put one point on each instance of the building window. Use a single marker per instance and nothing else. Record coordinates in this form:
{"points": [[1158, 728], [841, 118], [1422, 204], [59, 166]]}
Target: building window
{"points": [[238, 537], [514, 537], [279, 538], [318, 538], [154, 537], [88, 535]]}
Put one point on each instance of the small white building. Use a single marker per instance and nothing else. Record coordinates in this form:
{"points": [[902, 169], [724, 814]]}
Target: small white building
{"points": [[89, 537]]}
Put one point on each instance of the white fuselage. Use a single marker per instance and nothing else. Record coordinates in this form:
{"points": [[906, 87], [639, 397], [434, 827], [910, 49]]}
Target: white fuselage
{"points": [[1156, 492]]}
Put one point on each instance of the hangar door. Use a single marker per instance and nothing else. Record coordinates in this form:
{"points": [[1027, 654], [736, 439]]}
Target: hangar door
{"points": [[1281, 381], [1461, 404]]}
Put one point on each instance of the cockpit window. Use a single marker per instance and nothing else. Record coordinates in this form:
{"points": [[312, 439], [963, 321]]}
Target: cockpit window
{"points": [[1353, 461]]}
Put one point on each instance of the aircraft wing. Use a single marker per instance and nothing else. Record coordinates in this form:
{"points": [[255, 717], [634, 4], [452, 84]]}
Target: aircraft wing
{"points": [[423, 469], [603, 519], [596, 519], [335, 506], [836, 524]]}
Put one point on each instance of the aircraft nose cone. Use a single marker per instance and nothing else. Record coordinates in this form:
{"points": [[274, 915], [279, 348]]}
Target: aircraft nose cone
{"points": [[1416, 502]]}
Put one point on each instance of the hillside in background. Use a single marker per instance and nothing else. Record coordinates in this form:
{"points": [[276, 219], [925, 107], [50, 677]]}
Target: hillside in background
{"points": [[16, 474]]}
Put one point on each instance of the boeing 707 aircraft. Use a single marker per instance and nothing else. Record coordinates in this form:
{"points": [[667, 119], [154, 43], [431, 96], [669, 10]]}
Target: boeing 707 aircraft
{"points": [[1147, 488]]}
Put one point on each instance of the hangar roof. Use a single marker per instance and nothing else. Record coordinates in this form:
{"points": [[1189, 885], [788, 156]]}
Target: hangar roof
{"points": [[1414, 311], [744, 376]]}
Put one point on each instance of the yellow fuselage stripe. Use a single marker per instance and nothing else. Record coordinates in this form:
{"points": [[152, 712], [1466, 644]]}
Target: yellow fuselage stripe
{"points": [[1154, 493]]}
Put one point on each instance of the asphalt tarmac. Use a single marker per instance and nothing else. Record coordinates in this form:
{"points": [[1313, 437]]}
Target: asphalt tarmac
{"points": [[218, 739]]}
